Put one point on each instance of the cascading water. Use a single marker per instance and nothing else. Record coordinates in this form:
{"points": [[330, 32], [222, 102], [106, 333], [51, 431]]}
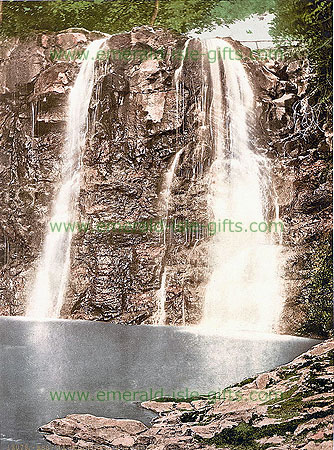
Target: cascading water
{"points": [[243, 292], [160, 316], [50, 283]]}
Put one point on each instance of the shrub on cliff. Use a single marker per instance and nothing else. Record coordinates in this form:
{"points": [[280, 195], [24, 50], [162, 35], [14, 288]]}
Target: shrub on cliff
{"points": [[317, 294], [308, 23]]}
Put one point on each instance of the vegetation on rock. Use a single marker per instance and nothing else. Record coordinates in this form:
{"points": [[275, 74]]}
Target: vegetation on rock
{"points": [[309, 25], [317, 294]]}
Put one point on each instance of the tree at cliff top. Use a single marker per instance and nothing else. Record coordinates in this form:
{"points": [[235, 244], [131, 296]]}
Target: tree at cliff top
{"points": [[122, 15]]}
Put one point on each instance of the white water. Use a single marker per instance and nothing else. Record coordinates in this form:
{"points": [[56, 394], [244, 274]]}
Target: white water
{"points": [[160, 315], [166, 192], [243, 292], [51, 279]]}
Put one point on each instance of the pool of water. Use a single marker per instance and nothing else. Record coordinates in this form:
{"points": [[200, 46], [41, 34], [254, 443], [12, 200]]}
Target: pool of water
{"points": [[39, 357]]}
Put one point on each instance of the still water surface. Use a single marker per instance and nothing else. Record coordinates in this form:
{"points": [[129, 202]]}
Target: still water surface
{"points": [[39, 357]]}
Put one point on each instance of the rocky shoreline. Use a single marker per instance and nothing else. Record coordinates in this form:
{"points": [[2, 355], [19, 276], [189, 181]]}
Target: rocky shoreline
{"points": [[300, 418]]}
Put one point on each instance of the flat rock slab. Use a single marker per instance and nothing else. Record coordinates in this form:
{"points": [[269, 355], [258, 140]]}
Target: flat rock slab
{"points": [[82, 430]]}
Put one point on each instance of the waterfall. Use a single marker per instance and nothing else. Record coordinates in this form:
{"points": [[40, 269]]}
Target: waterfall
{"points": [[243, 291], [166, 192], [49, 288], [160, 316]]}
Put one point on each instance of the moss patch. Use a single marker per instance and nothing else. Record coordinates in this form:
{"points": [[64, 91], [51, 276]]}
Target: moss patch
{"points": [[317, 295], [180, 400], [246, 381], [244, 435]]}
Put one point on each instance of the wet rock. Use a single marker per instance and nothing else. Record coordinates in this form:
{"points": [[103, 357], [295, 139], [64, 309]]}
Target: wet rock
{"points": [[136, 128]]}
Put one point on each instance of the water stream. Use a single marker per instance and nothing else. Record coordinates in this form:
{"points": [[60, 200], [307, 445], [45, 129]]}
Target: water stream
{"points": [[47, 296], [160, 315], [243, 291]]}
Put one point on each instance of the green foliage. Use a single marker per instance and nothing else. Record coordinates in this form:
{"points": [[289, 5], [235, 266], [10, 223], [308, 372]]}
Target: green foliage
{"points": [[244, 436], [240, 437], [106, 16], [232, 10], [308, 23], [317, 295], [186, 15], [116, 16], [246, 381], [111, 17], [288, 408]]}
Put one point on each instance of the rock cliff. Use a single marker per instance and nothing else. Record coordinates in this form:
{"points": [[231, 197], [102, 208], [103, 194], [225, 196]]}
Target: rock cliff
{"points": [[136, 129]]}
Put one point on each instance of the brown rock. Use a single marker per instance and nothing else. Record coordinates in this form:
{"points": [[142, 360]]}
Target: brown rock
{"points": [[69, 40], [271, 440], [184, 406], [52, 80], [45, 40], [88, 428], [262, 381], [293, 67], [206, 431], [325, 445], [158, 407], [286, 101]]}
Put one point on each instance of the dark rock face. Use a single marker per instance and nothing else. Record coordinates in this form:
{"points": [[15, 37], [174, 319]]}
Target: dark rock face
{"points": [[135, 138], [300, 150], [136, 129], [33, 101], [288, 408]]}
